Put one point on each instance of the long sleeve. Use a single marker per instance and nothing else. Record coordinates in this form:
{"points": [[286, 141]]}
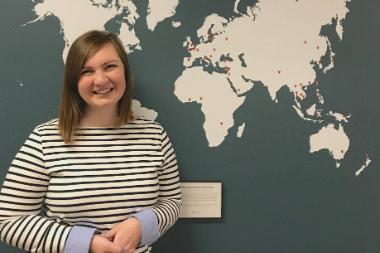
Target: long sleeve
{"points": [[79, 240], [169, 203], [149, 226], [21, 202]]}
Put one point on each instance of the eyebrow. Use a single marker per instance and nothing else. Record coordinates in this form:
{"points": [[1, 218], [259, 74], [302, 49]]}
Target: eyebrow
{"points": [[111, 61], [105, 63]]}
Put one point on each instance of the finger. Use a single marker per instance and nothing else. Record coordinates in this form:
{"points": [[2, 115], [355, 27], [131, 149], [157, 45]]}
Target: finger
{"points": [[129, 250], [110, 234], [125, 240], [121, 237], [114, 248]]}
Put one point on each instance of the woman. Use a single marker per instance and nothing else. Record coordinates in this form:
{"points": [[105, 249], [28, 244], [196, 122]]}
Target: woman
{"points": [[97, 179]]}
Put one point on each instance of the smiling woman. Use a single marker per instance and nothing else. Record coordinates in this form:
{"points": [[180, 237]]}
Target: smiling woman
{"points": [[94, 64], [97, 179], [101, 86]]}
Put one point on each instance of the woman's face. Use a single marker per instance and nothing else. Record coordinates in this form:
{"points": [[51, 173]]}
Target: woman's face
{"points": [[102, 81]]}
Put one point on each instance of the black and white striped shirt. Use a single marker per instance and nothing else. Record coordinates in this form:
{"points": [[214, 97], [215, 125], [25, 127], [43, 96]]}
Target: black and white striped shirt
{"points": [[100, 179]]}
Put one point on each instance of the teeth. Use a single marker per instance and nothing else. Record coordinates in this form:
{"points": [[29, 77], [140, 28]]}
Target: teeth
{"points": [[103, 91]]}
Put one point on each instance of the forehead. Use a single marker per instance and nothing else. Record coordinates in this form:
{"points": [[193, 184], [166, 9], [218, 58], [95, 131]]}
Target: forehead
{"points": [[105, 53]]}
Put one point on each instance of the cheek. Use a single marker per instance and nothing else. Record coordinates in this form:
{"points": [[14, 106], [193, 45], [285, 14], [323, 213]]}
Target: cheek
{"points": [[124, 85], [121, 89], [121, 82], [83, 87]]}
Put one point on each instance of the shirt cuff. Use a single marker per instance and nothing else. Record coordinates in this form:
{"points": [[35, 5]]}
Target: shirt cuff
{"points": [[149, 226], [79, 240]]}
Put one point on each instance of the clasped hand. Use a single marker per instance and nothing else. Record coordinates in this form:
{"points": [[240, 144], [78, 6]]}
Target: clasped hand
{"points": [[124, 237]]}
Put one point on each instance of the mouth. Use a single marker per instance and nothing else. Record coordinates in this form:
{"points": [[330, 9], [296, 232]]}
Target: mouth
{"points": [[103, 91]]}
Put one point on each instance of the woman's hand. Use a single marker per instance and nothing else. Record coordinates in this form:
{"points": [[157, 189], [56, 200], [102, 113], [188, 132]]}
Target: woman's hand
{"points": [[126, 234], [100, 244]]}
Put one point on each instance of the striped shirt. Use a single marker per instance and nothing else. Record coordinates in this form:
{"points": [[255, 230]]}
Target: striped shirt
{"points": [[100, 179]]}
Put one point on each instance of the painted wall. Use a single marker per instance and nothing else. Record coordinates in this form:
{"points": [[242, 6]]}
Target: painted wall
{"points": [[276, 99]]}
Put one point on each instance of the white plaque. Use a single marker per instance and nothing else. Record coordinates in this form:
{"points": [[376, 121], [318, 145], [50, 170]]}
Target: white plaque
{"points": [[201, 200]]}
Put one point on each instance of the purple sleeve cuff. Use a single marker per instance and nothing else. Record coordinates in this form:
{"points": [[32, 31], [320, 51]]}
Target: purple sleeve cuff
{"points": [[79, 240], [149, 226]]}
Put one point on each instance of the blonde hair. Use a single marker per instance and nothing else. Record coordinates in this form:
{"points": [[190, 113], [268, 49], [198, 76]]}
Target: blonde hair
{"points": [[72, 105]]}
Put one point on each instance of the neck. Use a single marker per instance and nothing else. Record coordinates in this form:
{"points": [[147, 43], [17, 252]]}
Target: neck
{"points": [[103, 117]]}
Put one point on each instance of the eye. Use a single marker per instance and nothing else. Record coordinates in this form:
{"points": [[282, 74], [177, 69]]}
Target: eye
{"points": [[110, 66], [85, 72]]}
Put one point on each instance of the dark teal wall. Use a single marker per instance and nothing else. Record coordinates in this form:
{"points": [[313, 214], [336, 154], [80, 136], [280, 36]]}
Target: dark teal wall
{"points": [[277, 197]]}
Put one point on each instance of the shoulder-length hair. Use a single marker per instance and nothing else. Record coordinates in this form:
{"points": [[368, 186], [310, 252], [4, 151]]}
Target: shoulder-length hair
{"points": [[72, 105]]}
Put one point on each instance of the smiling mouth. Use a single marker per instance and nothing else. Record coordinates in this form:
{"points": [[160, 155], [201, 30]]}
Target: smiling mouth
{"points": [[103, 91]]}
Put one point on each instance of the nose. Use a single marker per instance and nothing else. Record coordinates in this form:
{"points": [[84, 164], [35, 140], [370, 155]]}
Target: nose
{"points": [[100, 78]]}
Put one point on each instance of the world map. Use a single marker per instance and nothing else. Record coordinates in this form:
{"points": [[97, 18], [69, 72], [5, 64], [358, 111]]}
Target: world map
{"points": [[266, 42]]}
